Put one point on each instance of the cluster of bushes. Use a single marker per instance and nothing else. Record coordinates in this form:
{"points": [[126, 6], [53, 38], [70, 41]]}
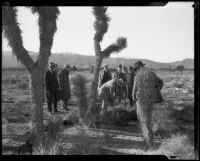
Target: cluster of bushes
{"points": [[21, 82]]}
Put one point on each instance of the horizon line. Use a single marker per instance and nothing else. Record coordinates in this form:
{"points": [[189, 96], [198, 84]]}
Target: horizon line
{"points": [[109, 57]]}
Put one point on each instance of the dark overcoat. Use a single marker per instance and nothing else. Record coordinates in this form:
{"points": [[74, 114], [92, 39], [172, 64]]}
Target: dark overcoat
{"points": [[130, 82], [104, 76], [51, 84], [64, 84]]}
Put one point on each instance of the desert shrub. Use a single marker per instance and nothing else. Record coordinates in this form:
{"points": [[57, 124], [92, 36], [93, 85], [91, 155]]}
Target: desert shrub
{"points": [[23, 85], [178, 146], [48, 147], [51, 143], [72, 118], [12, 80], [14, 115], [87, 145], [80, 92], [118, 117], [53, 126]]}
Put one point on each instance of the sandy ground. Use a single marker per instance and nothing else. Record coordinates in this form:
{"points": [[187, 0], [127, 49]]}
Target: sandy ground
{"points": [[117, 140]]}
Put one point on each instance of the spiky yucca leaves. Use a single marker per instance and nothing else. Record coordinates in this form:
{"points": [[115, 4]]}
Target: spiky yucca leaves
{"points": [[47, 23], [144, 82], [120, 44], [12, 32], [47, 28], [101, 23], [80, 92]]}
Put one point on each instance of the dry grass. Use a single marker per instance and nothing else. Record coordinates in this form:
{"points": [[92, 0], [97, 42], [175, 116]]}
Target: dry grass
{"points": [[51, 144], [48, 147], [163, 122], [178, 146], [165, 118], [87, 145]]}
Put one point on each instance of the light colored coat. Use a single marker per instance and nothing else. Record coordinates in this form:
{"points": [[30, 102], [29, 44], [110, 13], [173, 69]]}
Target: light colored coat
{"points": [[106, 92]]}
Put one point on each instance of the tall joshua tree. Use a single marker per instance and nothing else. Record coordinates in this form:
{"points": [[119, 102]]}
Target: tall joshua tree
{"points": [[101, 27], [47, 17]]}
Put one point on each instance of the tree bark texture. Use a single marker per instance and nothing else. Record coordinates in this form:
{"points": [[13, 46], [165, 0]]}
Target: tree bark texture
{"points": [[37, 79], [93, 95]]}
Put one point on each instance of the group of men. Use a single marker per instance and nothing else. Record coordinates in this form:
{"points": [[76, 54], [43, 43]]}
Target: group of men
{"points": [[112, 87], [57, 87], [122, 85]]}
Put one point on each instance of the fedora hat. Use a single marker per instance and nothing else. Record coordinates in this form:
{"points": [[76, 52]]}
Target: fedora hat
{"points": [[51, 64], [138, 64]]}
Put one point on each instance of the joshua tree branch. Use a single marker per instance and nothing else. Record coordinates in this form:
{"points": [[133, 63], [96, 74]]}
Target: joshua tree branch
{"points": [[47, 28], [13, 34], [120, 44]]}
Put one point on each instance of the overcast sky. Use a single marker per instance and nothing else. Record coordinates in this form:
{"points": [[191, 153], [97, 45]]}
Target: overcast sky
{"points": [[162, 34]]}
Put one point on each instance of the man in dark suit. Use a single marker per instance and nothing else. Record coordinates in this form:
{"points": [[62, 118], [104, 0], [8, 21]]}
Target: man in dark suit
{"points": [[64, 86], [104, 75], [51, 88], [130, 82]]}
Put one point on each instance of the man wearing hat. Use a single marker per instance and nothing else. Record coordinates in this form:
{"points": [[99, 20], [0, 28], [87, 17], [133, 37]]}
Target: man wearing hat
{"points": [[51, 88], [146, 93], [121, 91], [130, 82], [104, 75], [64, 86], [56, 69]]}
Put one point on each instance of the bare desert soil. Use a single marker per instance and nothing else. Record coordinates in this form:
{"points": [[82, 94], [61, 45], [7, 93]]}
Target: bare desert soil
{"points": [[178, 92]]}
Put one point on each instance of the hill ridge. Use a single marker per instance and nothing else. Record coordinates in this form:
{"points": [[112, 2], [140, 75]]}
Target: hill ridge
{"points": [[84, 61]]}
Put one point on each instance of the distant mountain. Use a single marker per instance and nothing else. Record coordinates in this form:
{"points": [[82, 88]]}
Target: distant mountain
{"points": [[84, 61]]}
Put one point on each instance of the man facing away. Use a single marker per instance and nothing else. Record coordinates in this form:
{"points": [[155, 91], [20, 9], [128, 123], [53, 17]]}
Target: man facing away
{"points": [[104, 75], [146, 93], [64, 86], [51, 88]]}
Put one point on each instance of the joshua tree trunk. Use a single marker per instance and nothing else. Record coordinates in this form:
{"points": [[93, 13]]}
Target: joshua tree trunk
{"points": [[37, 97], [93, 94]]}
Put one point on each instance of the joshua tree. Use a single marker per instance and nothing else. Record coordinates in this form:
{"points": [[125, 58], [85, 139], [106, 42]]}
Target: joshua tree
{"points": [[101, 27], [47, 28], [180, 68]]}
